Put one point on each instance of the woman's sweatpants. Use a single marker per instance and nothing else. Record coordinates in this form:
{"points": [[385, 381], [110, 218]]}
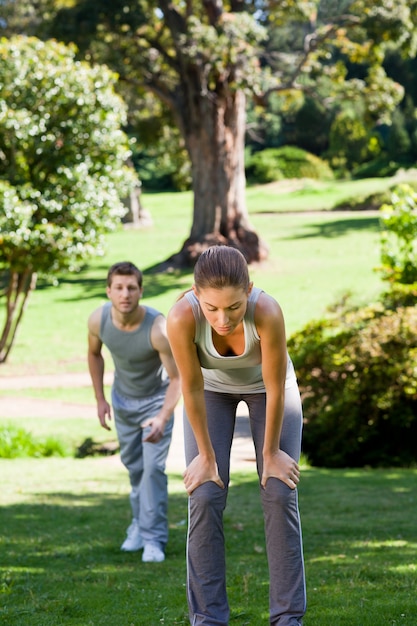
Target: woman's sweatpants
{"points": [[206, 575], [145, 462]]}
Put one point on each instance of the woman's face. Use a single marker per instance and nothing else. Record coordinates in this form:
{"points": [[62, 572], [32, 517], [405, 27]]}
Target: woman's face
{"points": [[224, 308]]}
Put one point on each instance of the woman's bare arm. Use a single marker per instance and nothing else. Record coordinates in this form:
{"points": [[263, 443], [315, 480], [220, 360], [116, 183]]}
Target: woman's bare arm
{"points": [[270, 324], [181, 331]]}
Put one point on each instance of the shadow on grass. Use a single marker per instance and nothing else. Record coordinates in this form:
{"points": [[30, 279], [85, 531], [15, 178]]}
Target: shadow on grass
{"points": [[91, 282], [338, 228], [61, 562], [92, 288], [360, 546]]}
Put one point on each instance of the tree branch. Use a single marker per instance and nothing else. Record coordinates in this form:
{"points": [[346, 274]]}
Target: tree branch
{"points": [[214, 9]]}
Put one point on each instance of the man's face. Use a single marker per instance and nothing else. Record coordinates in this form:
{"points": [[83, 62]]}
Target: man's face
{"points": [[124, 293]]}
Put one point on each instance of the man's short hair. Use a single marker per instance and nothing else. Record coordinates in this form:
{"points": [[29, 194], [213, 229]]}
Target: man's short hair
{"points": [[124, 268]]}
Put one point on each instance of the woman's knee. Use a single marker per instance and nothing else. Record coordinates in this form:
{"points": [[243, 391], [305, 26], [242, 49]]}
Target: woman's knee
{"points": [[209, 495], [278, 493]]}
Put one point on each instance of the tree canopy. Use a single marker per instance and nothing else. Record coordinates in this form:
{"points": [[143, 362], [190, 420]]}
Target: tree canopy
{"points": [[63, 166], [203, 61]]}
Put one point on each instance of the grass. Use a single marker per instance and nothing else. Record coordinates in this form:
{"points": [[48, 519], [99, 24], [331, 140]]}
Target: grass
{"points": [[61, 562], [312, 195], [63, 521], [67, 440], [31, 436], [17, 442]]}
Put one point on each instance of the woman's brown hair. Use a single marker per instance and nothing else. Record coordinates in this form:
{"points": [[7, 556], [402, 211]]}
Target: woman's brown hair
{"points": [[221, 266]]}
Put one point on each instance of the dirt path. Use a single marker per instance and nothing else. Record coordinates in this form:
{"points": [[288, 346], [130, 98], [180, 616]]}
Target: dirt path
{"points": [[15, 406], [49, 381]]}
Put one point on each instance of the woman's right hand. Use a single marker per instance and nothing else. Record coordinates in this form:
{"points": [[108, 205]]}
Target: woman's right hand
{"points": [[200, 471]]}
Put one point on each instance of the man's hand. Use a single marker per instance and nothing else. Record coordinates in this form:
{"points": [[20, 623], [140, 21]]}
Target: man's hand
{"points": [[157, 426], [104, 413]]}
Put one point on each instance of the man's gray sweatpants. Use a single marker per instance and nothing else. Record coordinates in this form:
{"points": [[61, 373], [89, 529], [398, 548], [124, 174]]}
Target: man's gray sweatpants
{"points": [[145, 463], [206, 580]]}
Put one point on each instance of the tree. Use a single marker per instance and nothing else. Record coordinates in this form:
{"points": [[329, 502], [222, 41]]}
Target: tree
{"points": [[62, 167], [201, 63], [203, 60]]}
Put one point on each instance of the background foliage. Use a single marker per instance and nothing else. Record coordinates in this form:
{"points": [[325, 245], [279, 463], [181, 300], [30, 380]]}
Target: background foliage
{"points": [[338, 77], [63, 156], [358, 376], [63, 170], [345, 69], [358, 367]]}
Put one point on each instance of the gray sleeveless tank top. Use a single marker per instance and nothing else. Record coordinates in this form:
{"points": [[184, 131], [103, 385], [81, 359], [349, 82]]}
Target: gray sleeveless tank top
{"points": [[138, 369], [232, 374]]}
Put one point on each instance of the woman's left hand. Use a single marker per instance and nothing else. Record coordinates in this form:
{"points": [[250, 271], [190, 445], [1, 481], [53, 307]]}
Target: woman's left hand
{"points": [[280, 465]]}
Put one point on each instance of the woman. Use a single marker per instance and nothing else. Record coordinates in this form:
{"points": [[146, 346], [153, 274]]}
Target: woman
{"points": [[228, 340]]}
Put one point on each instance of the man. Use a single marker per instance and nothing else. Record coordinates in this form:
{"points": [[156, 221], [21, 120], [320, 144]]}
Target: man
{"points": [[145, 391]]}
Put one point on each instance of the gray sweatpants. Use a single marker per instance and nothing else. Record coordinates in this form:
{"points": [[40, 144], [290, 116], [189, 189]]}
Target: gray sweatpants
{"points": [[145, 463], [206, 575]]}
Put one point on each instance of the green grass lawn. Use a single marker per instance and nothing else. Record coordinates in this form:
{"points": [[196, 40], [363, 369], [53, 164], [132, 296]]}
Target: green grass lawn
{"points": [[63, 521], [311, 195], [77, 395]]}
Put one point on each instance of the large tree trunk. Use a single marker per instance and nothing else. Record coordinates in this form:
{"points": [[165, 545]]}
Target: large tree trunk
{"points": [[214, 131]]}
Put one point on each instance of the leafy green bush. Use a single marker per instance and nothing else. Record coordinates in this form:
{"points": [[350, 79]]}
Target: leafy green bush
{"points": [[398, 143], [371, 202], [358, 367], [18, 442], [350, 142], [400, 295], [262, 167], [381, 167], [357, 372], [399, 237], [287, 162]]}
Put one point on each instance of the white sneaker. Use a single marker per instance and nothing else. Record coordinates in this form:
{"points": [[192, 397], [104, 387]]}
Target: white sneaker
{"points": [[133, 541], [152, 553]]}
